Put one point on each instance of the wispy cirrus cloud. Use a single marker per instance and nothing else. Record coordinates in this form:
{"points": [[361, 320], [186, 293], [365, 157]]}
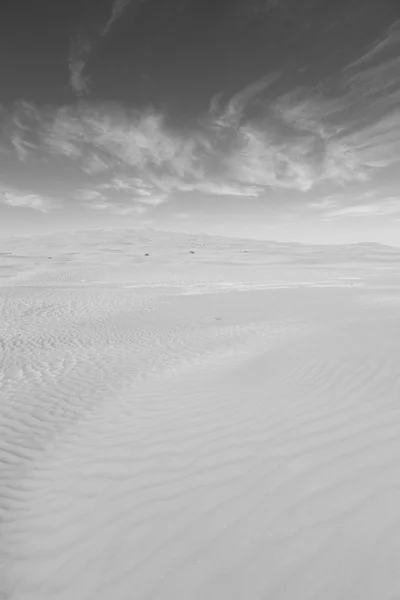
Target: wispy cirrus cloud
{"points": [[88, 195], [119, 208], [122, 193], [378, 144], [386, 206], [84, 45], [13, 197], [263, 138], [136, 190], [374, 202], [389, 39], [118, 9], [233, 112], [80, 51], [21, 146]]}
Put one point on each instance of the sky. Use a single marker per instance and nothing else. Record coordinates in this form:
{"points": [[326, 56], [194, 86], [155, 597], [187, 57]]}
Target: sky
{"points": [[267, 119]]}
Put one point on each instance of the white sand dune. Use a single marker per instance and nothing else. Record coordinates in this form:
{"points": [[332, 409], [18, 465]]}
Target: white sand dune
{"points": [[208, 426]]}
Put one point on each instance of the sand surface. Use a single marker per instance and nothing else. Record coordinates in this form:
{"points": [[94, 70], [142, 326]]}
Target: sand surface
{"points": [[219, 420]]}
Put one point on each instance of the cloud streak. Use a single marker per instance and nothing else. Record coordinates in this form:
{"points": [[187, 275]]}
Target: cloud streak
{"points": [[388, 206], [118, 9], [84, 46], [13, 197], [80, 52]]}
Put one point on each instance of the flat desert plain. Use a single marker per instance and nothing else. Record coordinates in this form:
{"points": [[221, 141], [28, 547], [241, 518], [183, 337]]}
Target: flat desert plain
{"points": [[218, 420]]}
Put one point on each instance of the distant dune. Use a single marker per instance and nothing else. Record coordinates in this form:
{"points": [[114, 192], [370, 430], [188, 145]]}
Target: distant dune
{"points": [[219, 425]]}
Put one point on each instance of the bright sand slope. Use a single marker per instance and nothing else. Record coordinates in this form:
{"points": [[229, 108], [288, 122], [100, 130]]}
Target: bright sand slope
{"points": [[217, 425]]}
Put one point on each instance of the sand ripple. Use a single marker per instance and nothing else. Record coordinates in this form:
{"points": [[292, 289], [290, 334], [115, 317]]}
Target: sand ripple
{"points": [[219, 446]]}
